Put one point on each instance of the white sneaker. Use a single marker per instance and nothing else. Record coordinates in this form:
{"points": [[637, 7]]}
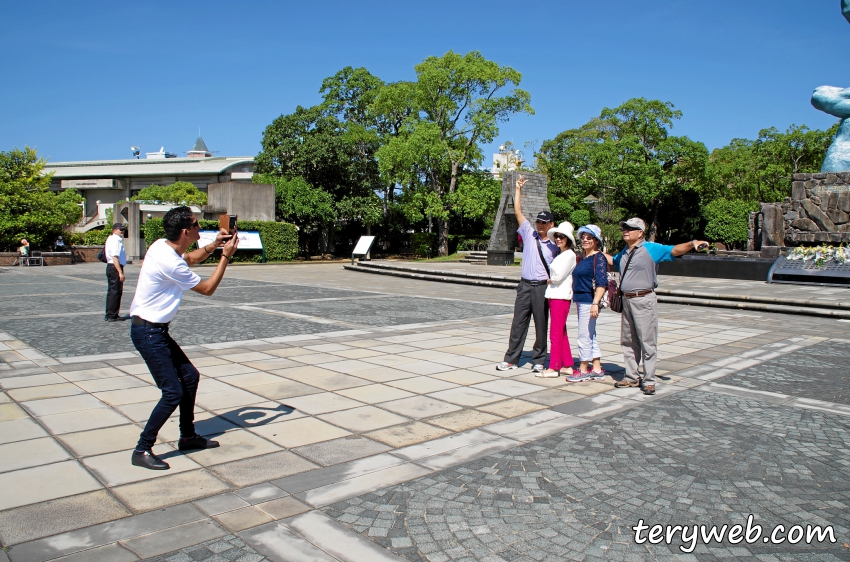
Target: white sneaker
{"points": [[505, 366], [537, 368], [548, 374]]}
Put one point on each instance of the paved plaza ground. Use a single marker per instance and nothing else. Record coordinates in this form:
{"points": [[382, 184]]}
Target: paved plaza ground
{"points": [[361, 418]]}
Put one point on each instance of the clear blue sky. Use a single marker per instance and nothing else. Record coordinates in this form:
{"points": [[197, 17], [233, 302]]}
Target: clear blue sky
{"points": [[84, 81]]}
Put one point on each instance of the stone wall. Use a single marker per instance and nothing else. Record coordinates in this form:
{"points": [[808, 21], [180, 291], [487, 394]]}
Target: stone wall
{"points": [[49, 258], [817, 212], [86, 254]]}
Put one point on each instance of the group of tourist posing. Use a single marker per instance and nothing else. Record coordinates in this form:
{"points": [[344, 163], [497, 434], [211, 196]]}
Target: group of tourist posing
{"points": [[554, 276]]}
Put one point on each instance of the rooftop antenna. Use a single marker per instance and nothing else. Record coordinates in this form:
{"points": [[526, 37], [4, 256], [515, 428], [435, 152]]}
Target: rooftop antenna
{"points": [[136, 151]]}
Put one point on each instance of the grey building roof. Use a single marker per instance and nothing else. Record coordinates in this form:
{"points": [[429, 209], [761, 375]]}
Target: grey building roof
{"points": [[141, 168]]}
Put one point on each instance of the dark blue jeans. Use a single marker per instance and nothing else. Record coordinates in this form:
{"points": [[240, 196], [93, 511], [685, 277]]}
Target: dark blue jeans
{"points": [[174, 375]]}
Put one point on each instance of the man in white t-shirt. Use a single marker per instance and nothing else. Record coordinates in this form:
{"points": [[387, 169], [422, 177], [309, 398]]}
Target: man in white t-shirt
{"points": [[164, 276], [116, 259]]}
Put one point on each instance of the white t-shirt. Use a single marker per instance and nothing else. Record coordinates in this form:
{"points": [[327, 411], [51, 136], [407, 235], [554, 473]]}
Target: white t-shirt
{"points": [[162, 280], [115, 247]]}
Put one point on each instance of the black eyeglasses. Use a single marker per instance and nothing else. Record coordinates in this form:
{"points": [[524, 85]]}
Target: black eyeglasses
{"points": [[559, 236], [195, 224]]}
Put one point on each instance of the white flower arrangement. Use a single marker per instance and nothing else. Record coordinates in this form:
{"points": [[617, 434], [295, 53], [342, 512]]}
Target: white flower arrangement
{"points": [[821, 254]]}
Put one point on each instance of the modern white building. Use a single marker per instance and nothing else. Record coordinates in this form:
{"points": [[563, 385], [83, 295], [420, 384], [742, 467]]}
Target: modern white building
{"points": [[105, 182]]}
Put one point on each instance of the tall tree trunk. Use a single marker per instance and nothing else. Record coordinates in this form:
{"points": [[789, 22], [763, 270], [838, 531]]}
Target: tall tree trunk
{"points": [[444, 237], [653, 223]]}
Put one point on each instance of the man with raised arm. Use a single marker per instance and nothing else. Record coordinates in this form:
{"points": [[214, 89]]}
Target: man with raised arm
{"points": [[164, 276], [537, 253]]}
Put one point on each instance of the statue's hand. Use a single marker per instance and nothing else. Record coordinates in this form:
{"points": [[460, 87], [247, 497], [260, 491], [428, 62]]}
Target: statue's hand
{"points": [[831, 99], [845, 9]]}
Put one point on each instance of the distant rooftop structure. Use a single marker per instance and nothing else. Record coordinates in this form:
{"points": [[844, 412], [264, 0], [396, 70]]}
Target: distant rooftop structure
{"points": [[200, 150], [161, 155], [132, 168]]}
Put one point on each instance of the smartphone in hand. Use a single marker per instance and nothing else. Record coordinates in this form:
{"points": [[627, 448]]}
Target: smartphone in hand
{"points": [[227, 222]]}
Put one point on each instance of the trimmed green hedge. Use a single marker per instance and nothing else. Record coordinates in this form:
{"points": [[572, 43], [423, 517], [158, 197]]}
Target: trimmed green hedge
{"points": [[279, 238]]}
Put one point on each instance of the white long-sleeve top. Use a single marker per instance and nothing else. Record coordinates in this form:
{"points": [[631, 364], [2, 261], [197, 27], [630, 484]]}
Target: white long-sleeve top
{"points": [[561, 274]]}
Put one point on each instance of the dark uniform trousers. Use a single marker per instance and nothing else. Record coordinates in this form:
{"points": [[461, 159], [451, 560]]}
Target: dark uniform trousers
{"points": [[530, 302], [114, 292]]}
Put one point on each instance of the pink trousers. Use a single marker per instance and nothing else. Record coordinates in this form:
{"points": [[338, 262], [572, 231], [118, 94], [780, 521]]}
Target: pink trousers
{"points": [[561, 355]]}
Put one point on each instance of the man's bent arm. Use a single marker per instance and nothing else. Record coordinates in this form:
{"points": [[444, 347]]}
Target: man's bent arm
{"points": [[208, 286], [198, 255], [203, 252]]}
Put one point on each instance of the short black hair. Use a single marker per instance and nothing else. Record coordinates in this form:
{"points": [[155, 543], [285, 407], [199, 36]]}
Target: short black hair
{"points": [[176, 220]]}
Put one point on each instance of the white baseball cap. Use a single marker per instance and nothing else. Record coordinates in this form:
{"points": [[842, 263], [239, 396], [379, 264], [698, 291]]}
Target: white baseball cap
{"points": [[634, 223]]}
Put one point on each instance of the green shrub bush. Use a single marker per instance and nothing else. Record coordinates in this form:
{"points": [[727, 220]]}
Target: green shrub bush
{"points": [[74, 238], [467, 243], [96, 237], [279, 238], [728, 220], [423, 244]]}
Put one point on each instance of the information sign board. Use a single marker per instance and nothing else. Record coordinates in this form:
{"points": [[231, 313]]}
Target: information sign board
{"points": [[362, 247], [248, 239]]}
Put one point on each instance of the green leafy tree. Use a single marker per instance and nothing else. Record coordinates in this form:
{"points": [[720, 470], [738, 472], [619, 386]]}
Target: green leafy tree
{"points": [[309, 144], [28, 208], [477, 196], [456, 107], [760, 170], [352, 96], [628, 157], [299, 203], [177, 193], [728, 220], [367, 210]]}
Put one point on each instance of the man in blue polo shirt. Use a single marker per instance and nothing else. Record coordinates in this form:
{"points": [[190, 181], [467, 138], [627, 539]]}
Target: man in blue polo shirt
{"points": [[639, 327], [531, 292]]}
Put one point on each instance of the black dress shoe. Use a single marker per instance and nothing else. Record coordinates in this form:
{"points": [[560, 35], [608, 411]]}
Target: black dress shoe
{"points": [[147, 459], [196, 442]]}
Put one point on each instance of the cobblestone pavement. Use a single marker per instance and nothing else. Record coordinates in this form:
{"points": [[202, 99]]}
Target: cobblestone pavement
{"points": [[820, 372], [225, 549], [64, 325], [696, 457]]}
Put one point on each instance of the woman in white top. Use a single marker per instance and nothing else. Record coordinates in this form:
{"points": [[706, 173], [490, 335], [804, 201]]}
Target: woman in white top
{"points": [[559, 294]]}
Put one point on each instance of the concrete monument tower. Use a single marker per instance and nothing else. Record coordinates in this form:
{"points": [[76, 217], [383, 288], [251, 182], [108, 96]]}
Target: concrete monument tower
{"points": [[535, 198]]}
